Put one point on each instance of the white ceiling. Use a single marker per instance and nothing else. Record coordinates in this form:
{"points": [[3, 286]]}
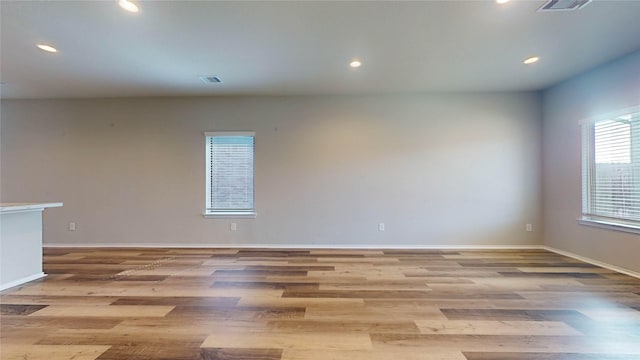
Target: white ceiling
{"points": [[302, 47]]}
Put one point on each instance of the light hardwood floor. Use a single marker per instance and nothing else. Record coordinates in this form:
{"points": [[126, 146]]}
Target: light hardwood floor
{"points": [[115, 304]]}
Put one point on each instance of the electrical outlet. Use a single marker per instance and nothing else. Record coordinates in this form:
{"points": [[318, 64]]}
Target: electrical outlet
{"points": [[72, 226], [529, 227], [381, 227], [233, 227]]}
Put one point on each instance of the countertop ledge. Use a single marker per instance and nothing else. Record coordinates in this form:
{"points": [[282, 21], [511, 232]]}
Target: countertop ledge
{"points": [[13, 207]]}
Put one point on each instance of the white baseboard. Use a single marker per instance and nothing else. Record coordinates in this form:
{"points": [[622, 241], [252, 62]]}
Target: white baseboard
{"points": [[22, 281], [297, 246], [594, 262]]}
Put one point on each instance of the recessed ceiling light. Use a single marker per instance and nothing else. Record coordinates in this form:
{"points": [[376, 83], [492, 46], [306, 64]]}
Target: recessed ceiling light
{"points": [[355, 63], [531, 60], [129, 5], [502, 1], [47, 48]]}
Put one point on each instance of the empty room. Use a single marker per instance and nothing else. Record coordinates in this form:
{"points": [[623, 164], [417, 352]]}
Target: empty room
{"points": [[320, 180]]}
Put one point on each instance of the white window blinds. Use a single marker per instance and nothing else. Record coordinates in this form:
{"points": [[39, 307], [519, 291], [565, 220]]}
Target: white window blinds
{"points": [[611, 169], [230, 160]]}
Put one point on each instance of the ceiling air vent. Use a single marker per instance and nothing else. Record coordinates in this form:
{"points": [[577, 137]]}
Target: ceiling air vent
{"points": [[210, 79], [564, 5]]}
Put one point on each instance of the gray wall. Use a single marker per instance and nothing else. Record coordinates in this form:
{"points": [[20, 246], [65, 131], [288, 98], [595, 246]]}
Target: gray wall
{"points": [[609, 88], [447, 169]]}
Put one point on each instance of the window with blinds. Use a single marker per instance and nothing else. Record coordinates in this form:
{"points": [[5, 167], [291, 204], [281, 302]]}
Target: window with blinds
{"points": [[229, 162], [611, 170]]}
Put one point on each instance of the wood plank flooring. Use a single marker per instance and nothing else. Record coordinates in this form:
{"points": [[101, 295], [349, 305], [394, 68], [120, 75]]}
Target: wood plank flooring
{"points": [[320, 304]]}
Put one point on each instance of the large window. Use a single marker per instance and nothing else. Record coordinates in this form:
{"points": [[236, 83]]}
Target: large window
{"points": [[611, 171], [230, 158]]}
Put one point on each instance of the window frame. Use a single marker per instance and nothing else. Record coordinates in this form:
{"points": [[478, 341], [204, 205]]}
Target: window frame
{"points": [[588, 161], [227, 213]]}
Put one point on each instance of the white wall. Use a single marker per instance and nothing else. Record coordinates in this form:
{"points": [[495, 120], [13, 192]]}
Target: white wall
{"points": [[448, 169], [611, 87]]}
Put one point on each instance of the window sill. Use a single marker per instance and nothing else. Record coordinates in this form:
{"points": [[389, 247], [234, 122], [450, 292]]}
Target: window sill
{"points": [[610, 225], [230, 215]]}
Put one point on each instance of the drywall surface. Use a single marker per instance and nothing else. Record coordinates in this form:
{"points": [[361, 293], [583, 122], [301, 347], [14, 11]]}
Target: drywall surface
{"points": [[609, 88], [437, 169]]}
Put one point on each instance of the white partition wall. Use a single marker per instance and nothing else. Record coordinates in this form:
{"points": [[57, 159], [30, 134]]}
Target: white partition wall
{"points": [[21, 243]]}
